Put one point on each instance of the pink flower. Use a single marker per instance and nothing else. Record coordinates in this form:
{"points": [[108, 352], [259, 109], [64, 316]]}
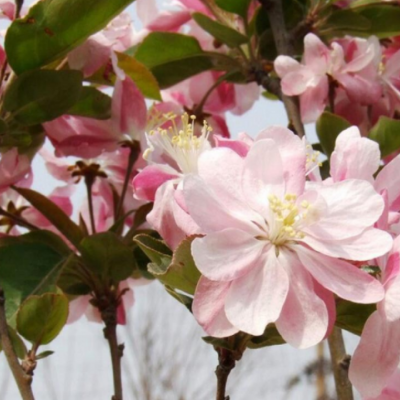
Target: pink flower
{"points": [[378, 354], [173, 153], [272, 250], [89, 137], [97, 50], [14, 168], [352, 63], [391, 390]]}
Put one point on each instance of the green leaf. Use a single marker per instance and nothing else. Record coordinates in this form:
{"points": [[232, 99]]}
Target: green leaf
{"points": [[172, 57], [92, 103], [182, 273], [69, 281], [141, 75], [270, 337], [54, 214], [17, 343], [343, 21], [41, 318], [219, 342], [221, 32], [328, 128], [384, 19], [352, 317], [107, 256], [157, 251], [44, 354], [52, 28], [238, 7], [27, 269], [386, 133], [42, 95]]}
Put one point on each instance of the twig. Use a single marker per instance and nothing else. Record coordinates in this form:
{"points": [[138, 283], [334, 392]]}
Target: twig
{"points": [[285, 47], [340, 365], [22, 379], [109, 317], [18, 8], [226, 364], [134, 148], [89, 181]]}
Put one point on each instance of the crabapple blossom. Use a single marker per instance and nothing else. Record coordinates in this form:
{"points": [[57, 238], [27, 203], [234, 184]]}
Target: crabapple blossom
{"points": [[173, 153], [378, 354], [274, 250]]}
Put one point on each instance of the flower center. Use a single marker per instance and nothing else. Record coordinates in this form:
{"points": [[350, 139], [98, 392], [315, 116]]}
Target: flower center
{"points": [[286, 219], [181, 143]]}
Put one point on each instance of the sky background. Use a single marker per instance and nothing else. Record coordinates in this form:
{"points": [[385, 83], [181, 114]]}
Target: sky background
{"points": [[165, 357]]}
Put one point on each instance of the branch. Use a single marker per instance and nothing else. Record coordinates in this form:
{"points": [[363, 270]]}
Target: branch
{"points": [[340, 365], [22, 379], [226, 364], [284, 46]]}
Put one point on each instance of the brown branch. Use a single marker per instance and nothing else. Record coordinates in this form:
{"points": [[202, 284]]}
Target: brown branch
{"points": [[226, 364], [340, 365], [284, 46], [22, 379]]}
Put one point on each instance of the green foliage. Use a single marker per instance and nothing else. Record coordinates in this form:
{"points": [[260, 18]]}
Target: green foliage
{"points": [[328, 128], [172, 57], [92, 103], [387, 133], [182, 273], [52, 28], [156, 250], [17, 343], [54, 214], [238, 7], [270, 337], [222, 33], [27, 269], [352, 317], [41, 318], [107, 256], [141, 75], [41, 95]]}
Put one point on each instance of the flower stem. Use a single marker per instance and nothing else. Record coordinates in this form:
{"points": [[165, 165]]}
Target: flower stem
{"points": [[134, 148], [89, 185], [22, 379], [226, 364], [284, 46], [18, 220], [340, 365]]}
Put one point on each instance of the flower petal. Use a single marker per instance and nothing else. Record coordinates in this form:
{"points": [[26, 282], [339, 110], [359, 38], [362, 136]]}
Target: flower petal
{"points": [[226, 255], [340, 277], [208, 308], [257, 298], [304, 318]]}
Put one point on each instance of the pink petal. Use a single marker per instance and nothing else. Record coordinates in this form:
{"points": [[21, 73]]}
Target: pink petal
{"points": [[316, 54], [238, 146], [376, 357], [146, 182], [129, 111], [389, 179], [293, 154], [368, 245], [352, 206], [201, 200], [340, 277], [226, 255], [313, 101], [262, 174], [257, 298], [304, 318], [208, 308], [284, 65], [298, 81], [354, 157], [391, 304]]}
